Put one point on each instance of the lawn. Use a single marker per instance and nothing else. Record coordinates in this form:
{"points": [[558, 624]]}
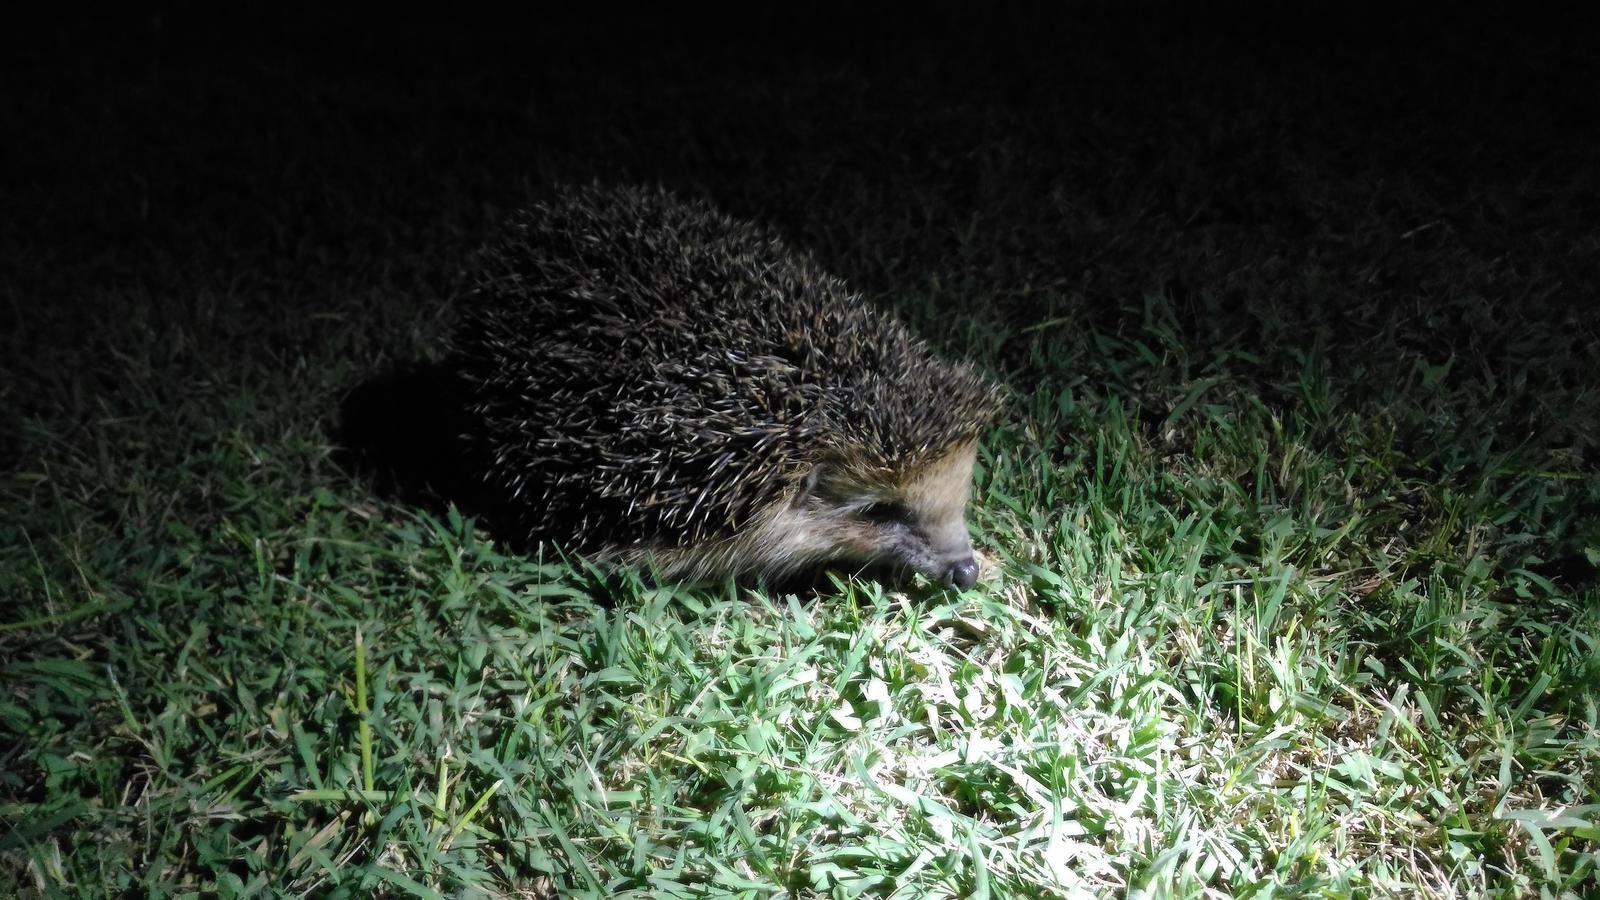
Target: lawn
{"points": [[1293, 520]]}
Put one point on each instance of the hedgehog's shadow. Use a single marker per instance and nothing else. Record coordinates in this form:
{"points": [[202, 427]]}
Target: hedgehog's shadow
{"points": [[402, 430]]}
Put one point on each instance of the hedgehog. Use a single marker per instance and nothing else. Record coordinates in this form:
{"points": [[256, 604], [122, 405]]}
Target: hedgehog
{"points": [[654, 382]]}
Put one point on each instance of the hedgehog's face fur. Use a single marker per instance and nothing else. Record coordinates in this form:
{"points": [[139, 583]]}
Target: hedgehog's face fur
{"points": [[916, 522], [852, 520]]}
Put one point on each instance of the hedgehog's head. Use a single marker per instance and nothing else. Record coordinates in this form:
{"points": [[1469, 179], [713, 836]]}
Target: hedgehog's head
{"points": [[857, 517], [911, 519]]}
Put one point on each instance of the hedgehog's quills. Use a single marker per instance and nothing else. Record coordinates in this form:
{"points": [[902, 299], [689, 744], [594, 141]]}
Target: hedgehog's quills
{"points": [[654, 382]]}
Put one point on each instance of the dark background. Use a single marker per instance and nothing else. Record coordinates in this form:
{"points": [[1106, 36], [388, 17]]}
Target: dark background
{"points": [[1110, 143]]}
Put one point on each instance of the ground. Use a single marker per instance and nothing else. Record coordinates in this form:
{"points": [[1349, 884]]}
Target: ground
{"points": [[1293, 523]]}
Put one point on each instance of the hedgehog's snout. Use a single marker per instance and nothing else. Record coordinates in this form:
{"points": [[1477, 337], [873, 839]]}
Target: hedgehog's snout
{"points": [[962, 574]]}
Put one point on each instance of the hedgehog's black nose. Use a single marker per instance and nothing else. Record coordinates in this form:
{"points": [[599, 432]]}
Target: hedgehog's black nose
{"points": [[962, 575]]}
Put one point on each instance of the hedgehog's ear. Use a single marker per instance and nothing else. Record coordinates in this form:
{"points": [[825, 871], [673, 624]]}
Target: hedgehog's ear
{"points": [[808, 484], [815, 483]]}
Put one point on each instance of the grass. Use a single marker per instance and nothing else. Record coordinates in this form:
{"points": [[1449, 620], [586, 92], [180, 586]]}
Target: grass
{"points": [[1293, 527]]}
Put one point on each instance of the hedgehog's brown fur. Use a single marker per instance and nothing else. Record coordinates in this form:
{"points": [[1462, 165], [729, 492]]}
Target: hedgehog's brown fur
{"points": [[652, 379]]}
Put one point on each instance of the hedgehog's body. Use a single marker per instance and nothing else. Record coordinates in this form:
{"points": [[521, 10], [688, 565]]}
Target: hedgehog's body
{"points": [[653, 381]]}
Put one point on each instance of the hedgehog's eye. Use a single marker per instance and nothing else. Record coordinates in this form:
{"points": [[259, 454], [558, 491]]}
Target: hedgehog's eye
{"points": [[885, 511]]}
